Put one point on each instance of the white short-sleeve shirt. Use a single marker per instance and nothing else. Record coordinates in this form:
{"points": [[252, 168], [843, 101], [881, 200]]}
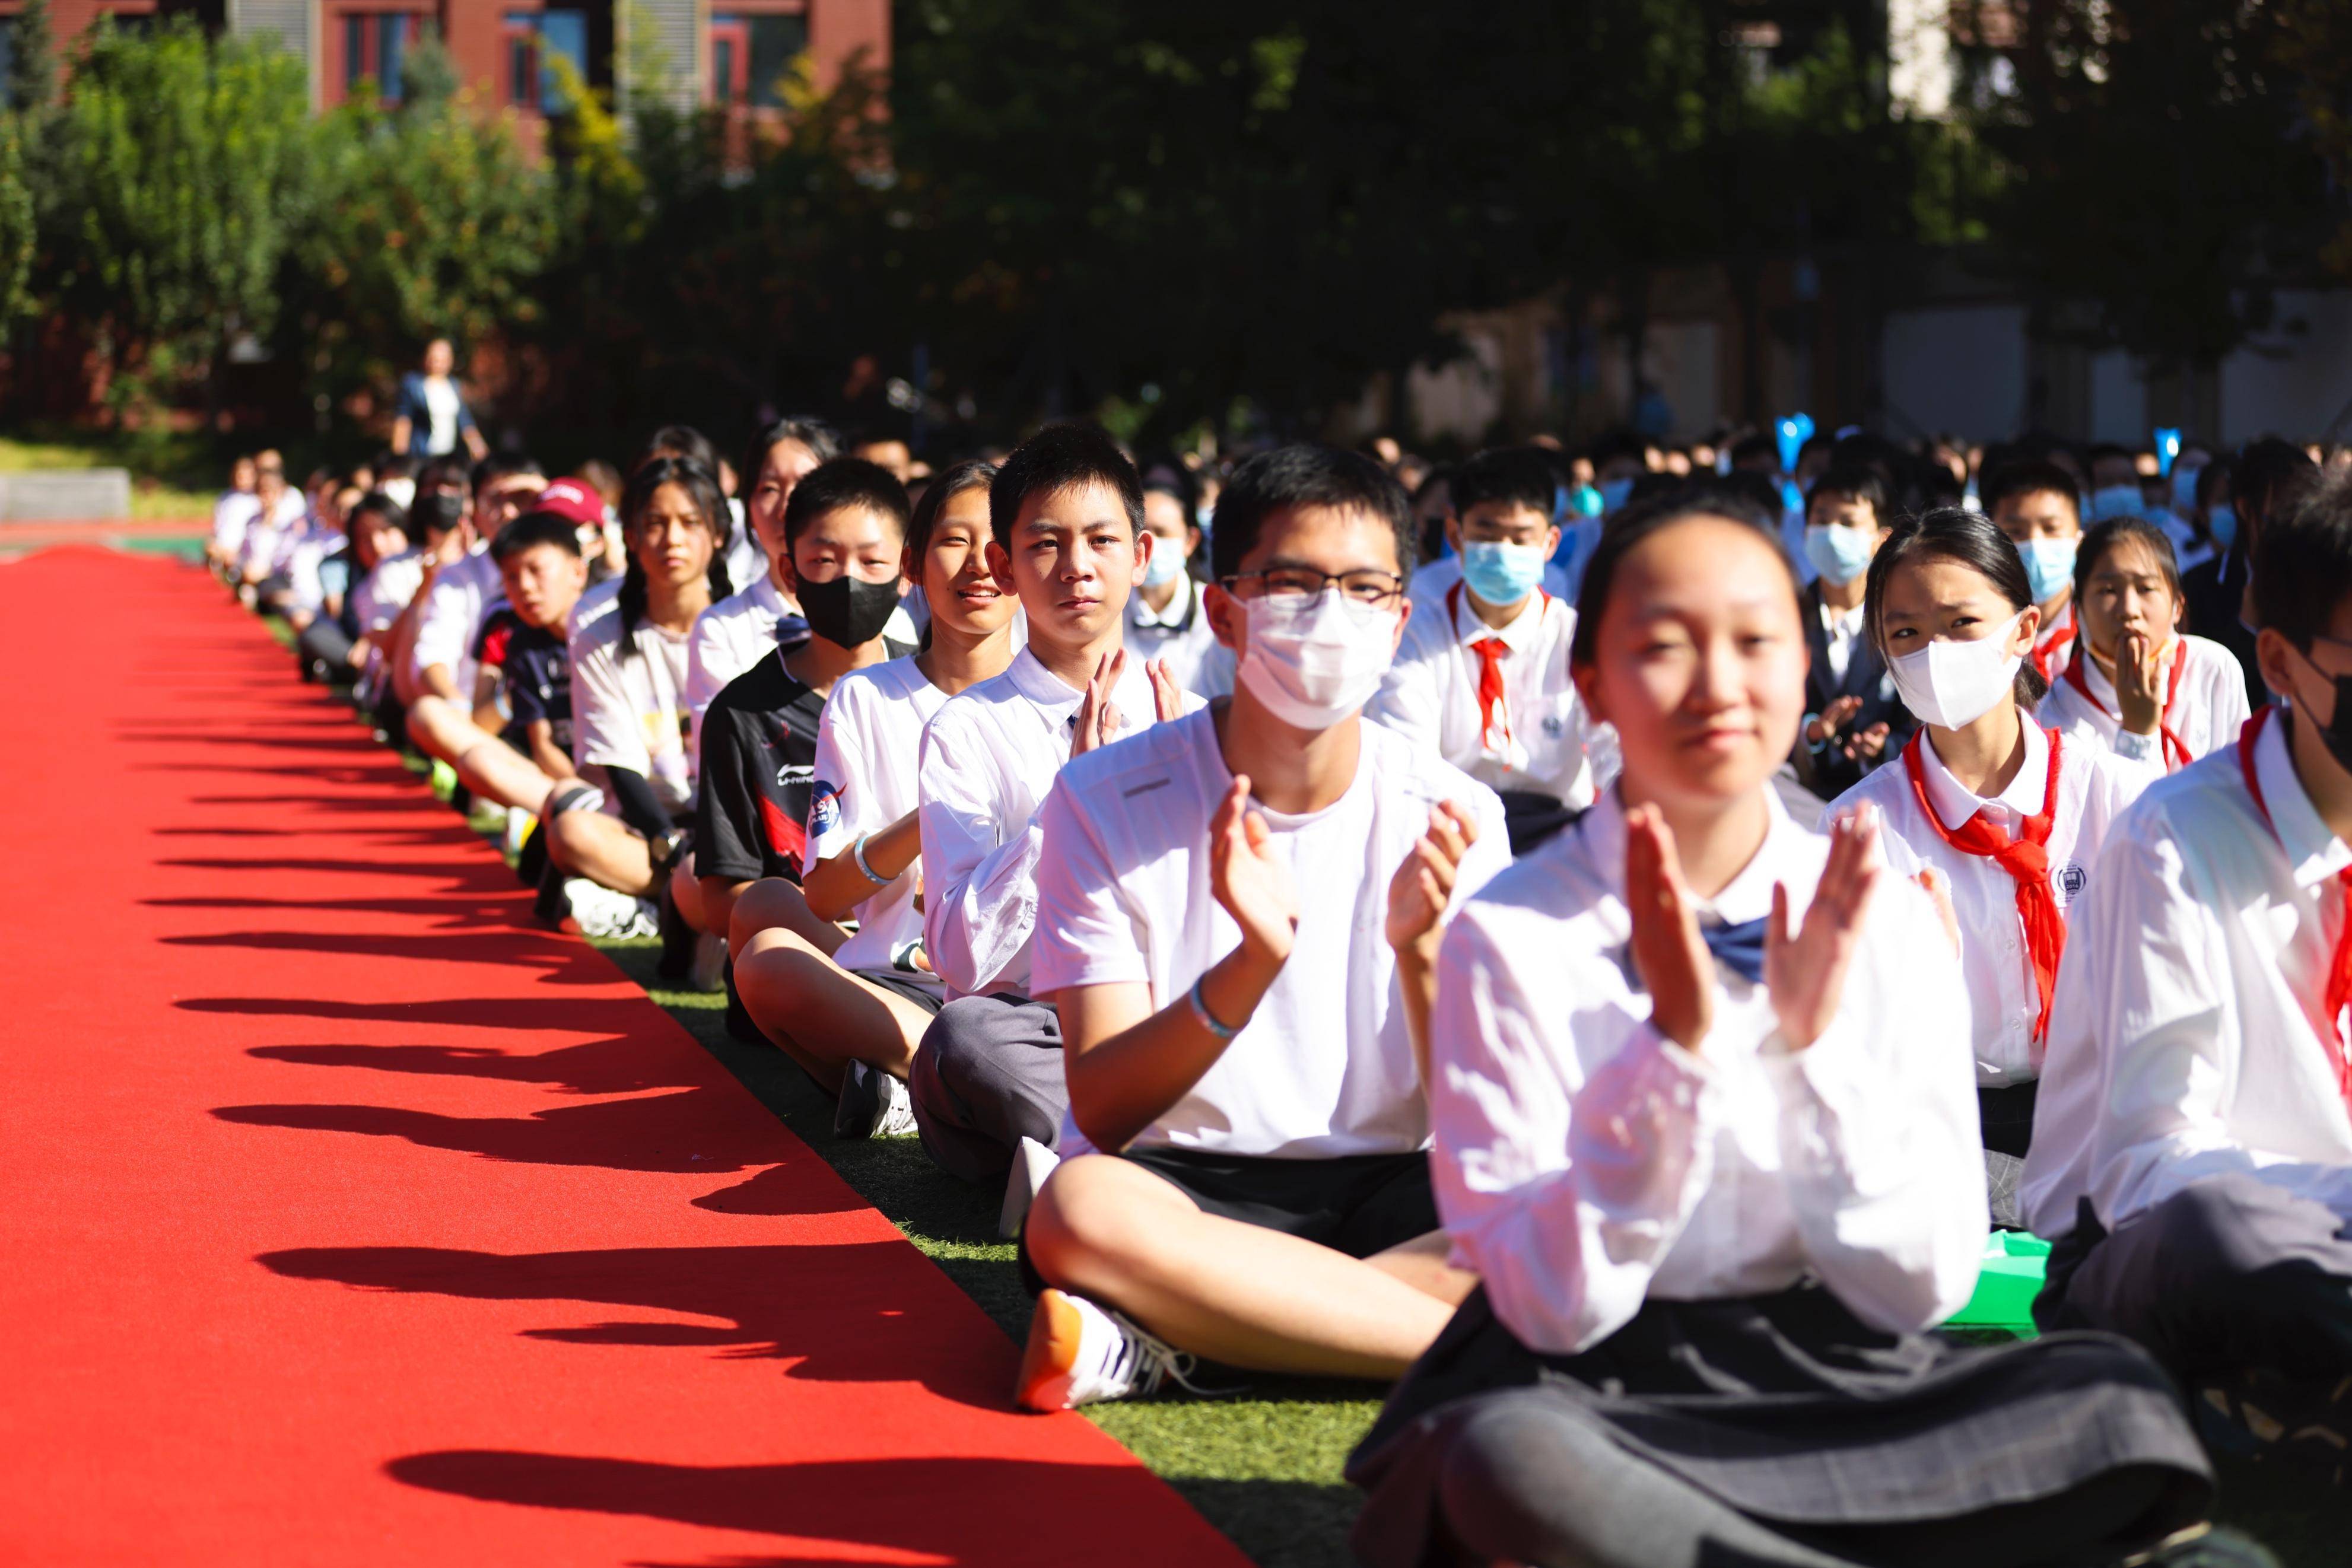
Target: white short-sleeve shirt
{"points": [[631, 712], [1324, 1067], [867, 747], [461, 598]]}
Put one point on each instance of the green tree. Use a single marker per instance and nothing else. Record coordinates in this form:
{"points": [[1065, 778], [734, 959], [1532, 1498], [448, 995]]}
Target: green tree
{"points": [[431, 219], [181, 176], [15, 226], [2158, 168], [32, 84]]}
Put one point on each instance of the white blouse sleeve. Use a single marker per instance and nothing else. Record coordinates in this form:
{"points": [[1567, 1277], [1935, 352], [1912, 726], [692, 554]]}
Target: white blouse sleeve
{"points": [[1879, 1137], [1566, 1249]]}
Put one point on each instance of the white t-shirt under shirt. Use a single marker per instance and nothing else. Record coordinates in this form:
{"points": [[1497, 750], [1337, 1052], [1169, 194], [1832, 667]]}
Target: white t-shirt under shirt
{"points": [[866, 752], [1324, 1067], [631, 712], [442, 407]]}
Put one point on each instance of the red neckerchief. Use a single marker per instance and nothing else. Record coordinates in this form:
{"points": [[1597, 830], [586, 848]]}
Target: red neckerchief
{"points": [[2025, 858], [2339, 964], [2060, 638], [2176, 750], [1494, 707]]}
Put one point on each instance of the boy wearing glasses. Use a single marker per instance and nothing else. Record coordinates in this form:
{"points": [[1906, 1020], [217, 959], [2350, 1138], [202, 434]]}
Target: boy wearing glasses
{"points": [[1246, 1174], [1481, 677], [1066, 511]]}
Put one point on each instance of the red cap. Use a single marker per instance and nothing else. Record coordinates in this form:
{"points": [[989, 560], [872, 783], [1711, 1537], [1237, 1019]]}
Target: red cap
{"points": [[572, 501]]}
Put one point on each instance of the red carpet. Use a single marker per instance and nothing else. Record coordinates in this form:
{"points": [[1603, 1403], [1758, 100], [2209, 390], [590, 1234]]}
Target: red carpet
{"points": [[345, 1217]]}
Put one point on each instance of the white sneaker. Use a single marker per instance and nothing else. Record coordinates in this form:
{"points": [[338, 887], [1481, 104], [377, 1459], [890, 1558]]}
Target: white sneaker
{"points": [[601, 912], [1033, 1162], [1079, 1354], [898, 1117]]}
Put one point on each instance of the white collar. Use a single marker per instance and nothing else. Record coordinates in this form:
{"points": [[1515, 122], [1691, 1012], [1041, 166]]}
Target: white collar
{"points": [[1746, 896], [768, 598], [1030, 677], [1518, 635], [1141, 614], [2312, 850], [1955, 803]]}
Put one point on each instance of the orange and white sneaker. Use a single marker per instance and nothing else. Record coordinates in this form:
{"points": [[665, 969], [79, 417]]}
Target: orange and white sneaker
{"points": [[1078, 1353]]}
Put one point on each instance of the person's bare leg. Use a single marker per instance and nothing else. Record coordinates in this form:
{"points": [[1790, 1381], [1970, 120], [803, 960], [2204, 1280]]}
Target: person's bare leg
{"points": [[771, 903], [1421, 1263], [488, 767], [1113, 1232], [439, 727], [588, 844], [686, 892], [792, 990]]}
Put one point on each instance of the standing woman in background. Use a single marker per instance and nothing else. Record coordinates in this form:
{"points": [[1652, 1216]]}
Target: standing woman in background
{"points": [[1984, 806], [429, 418]]}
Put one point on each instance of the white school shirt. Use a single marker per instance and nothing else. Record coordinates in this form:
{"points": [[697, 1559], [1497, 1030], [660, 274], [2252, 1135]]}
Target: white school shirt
{"points": [[1547, 743], [1178, 635], [386, 589], [631, 713], [461, 598], [1584, 1162], [2188, 1044], [729, 638], [2206, 713], [232, 515], [988, 758], [264, 541], [867, 745], [1324, 1067], [2094, 787]]}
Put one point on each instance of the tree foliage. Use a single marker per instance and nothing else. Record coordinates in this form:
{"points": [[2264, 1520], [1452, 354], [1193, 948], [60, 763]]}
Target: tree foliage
{"points": [[184, 174], [2157, 168]]}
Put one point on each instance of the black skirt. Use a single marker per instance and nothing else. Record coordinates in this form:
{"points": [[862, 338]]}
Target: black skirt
{"points": [[1791, 1411]]}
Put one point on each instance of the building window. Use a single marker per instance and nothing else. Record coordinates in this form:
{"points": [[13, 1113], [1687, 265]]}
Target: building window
{"points": [[750, 53], [535, 41], [375, 48]]}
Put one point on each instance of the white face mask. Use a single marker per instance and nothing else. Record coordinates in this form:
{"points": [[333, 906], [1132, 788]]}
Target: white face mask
{"points": [[1953, 684], [1318, 663]]}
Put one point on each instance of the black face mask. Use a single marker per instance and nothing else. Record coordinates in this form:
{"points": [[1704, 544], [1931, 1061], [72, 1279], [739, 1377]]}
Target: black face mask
{"points": [[848, 610]]}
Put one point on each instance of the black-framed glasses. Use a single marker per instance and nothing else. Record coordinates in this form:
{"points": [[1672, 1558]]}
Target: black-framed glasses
{"points": [[1297, 585]]}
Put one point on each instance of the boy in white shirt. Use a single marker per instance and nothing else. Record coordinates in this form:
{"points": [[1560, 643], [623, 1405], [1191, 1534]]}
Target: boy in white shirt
{"points": [[1246, 1173], [1163, 617], [1481, 678], [855, 1012], [458, 599], [2192, 1155], [1066, 516], [2039, 507]]}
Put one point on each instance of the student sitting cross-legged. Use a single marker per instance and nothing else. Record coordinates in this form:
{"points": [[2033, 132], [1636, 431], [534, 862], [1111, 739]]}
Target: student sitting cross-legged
{"points": [[845, 533], [1066, 535], [1705, 1133], [1246, 1173], [854, 1013], [541, 575], [2192, 1150], [626, 826]]}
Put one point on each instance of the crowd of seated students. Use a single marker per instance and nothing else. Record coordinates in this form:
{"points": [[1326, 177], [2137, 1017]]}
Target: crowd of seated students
{"points": [[1596, 941]]}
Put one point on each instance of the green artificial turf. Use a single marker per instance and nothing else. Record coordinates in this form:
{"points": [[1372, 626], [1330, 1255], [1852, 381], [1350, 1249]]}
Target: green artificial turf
{"points": [[1263, 1464]]}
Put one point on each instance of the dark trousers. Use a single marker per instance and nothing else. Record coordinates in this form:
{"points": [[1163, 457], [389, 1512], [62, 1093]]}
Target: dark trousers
{"points": [[988, 1074], [324, 642], [2228, 1274]]}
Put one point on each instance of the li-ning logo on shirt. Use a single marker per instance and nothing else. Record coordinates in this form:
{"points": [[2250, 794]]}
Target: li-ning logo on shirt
{"points": [[2069, 879], [793, 773]]}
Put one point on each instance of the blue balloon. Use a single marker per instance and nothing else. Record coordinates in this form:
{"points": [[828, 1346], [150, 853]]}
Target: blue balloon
{"points": [[2168, 447]]}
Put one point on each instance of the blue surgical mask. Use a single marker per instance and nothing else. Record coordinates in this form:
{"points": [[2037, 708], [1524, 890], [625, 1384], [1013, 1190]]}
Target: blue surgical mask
{"points": [[2049, 566], [1502, 574], [1166, 565], [2115, 501], [2221, 520], [1614, 494], [1839, 553]]}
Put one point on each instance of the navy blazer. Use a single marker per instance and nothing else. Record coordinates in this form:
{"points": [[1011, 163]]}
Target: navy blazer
{"points": [[1829, 774]]}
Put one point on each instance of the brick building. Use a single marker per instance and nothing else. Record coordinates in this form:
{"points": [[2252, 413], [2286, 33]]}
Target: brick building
{"points": [[690, 51]]}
